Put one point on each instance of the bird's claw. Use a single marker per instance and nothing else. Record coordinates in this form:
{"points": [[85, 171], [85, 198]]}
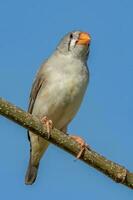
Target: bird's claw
{"points": [[48, 123], [82, 144]]}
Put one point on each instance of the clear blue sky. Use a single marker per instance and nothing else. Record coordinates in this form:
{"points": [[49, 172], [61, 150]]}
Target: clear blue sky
{"points": [[29, 32]]}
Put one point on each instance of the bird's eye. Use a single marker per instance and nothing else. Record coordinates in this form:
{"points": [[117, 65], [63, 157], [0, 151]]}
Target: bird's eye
{"points": [[71, 36]]}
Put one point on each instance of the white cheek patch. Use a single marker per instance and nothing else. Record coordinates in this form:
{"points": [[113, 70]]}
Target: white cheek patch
{"points": [[73, 43]]}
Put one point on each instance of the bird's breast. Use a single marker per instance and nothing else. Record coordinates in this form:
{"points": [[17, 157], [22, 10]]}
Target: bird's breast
{"points": [[68, 84], [60, 98]]}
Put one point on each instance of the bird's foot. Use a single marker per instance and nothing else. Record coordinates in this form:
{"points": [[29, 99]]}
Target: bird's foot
{"points": [[48, 123], [82, 144]]}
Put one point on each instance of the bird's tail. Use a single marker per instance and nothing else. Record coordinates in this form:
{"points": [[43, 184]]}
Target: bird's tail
{"points": [[31, 173]]}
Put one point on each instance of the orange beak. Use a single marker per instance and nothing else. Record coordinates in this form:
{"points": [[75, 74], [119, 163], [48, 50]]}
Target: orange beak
{"points": [[84, 39]]}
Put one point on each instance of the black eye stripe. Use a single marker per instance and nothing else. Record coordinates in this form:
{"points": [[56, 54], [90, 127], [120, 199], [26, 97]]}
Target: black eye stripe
{"points": [[71, 37], [69, 45]]}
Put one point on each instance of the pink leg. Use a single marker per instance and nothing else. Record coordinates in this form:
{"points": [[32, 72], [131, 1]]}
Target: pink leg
{"points": [[48, 123], [82, 144]]}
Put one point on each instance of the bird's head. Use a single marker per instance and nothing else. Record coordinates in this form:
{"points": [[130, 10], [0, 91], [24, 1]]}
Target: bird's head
{"points": [[75, 43]]}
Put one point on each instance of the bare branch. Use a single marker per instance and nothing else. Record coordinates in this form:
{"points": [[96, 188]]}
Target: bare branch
{"points": [[115, 171]]}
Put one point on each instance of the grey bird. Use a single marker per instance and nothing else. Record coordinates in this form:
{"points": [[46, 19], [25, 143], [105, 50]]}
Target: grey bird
{"points": [[57, 92]]}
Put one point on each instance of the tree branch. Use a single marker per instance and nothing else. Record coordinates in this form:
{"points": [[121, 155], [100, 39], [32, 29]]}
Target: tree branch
{"points": [[115, 171]]}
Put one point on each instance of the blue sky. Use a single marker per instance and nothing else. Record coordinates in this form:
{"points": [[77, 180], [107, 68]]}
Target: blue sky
{"points": [[29, 32]]}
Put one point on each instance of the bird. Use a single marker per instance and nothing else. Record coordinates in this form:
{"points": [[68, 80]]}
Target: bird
{"points": [[57, 93]]}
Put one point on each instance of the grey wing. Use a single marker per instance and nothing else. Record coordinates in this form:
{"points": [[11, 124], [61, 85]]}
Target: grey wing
{"points": [[34, 92], [31, 173], [36, 87]]}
